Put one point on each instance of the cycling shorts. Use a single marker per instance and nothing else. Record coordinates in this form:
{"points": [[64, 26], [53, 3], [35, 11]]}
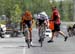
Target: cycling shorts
{"points": [[28, 23], [56, 27]]}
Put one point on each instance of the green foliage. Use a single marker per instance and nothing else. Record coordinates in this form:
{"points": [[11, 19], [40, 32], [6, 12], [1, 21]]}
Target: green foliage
{"points": [[17, 13], [15, 8]]}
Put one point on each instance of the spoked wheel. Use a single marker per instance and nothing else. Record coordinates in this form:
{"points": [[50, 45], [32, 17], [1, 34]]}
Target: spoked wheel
{"points": [[41, 42], [41, 39], [41, 34], [28, 43], [27, 40]]}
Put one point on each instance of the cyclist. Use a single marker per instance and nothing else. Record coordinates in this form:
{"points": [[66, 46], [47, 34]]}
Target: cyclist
{"points": [[27, 20], [56, 18], [41, 18]]}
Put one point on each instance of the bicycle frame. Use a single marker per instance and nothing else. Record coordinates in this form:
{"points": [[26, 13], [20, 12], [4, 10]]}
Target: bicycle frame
{"points": [[27, 37], [42, 33]]}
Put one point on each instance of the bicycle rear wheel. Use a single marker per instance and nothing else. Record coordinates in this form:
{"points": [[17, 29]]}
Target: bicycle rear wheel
{"points": [[27, 39], [28, 43], [42, 34], [41, 42], [41, 38]]}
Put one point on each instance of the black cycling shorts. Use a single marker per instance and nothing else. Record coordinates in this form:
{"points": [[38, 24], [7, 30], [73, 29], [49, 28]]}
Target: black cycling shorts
{"points": [[56, 27], [28, 23]]}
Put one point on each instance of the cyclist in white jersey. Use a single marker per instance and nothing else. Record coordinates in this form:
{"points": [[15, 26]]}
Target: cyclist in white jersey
{"points": [[42, 17]]}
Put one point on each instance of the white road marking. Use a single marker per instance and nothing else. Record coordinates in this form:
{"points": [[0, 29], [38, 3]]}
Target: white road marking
{"points": [[2, 46], [24, 50]]}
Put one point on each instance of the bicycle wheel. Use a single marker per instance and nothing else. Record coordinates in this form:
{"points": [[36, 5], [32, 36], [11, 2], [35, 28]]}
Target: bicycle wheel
{"points": [[26, 34], [41, 42], [41, 37], [28, 43]]}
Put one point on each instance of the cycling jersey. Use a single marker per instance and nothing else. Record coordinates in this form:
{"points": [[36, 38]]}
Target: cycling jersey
{"points": [[42, 18], [27, 16], [27, 20]]}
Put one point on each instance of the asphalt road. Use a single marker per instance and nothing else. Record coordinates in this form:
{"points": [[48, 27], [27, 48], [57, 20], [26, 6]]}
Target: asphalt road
{"points": [[18, 46]]}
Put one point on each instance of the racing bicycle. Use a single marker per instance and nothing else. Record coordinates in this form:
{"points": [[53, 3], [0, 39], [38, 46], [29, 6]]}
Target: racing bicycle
{"points": [[27, 37], [42, 33]]}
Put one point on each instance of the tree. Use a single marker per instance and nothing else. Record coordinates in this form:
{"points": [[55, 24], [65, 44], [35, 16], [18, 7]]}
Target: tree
{"points": [[17, 13]]}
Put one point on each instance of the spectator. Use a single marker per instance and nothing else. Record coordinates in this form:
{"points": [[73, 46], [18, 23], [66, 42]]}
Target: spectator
{"points": [[56, 19]]}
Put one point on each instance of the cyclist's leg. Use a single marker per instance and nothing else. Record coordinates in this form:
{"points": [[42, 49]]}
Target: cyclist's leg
{"points": [[23, 30], [39, 26], [37, 23], [40, 23], [30, 30], [29, 24]]}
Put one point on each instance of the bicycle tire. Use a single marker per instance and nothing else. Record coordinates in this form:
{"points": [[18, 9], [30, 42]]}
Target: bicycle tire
{"points": [[26, 33], [41, 36], [28, 43], [41, 42]]}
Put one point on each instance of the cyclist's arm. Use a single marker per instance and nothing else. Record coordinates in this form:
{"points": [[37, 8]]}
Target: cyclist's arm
{"points": [[47, 22]]}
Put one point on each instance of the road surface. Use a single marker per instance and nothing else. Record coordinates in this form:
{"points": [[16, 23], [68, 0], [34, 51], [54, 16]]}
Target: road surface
{"points": [[18, 46]]}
